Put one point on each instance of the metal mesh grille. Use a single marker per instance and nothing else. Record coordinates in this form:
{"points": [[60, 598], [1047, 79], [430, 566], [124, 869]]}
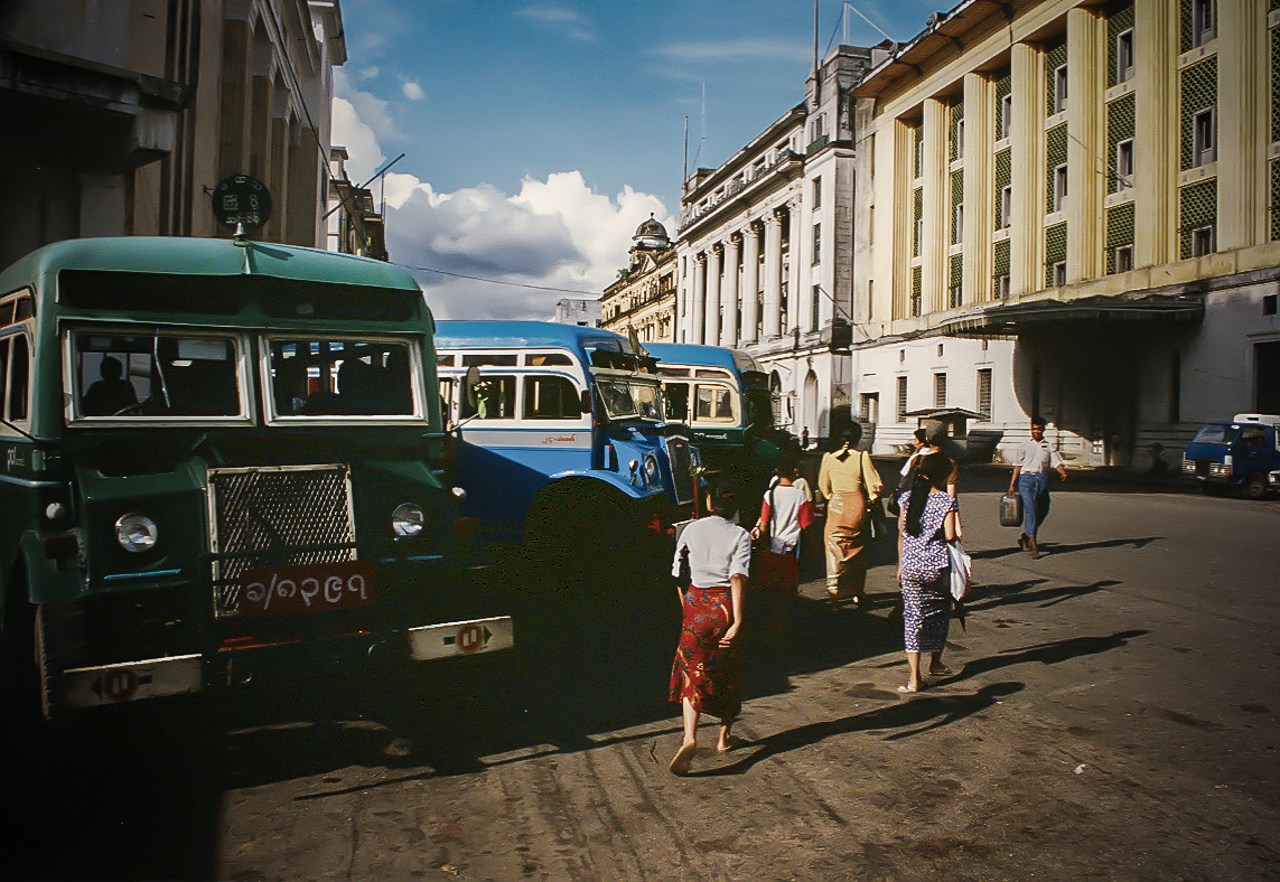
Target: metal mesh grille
{"points": [[1275, 79], [271, 517], [957, 199], [1275, 198], [1188, 32], [1055, 149], [917, 289], [1119, 21], [1055, 250], [1199, 209], [1120, 127], [957, 117], [917, 212], [1055, 57], [917, 136], [1199, 91], [954, 290], [681, 478], [1000, 259], [1119, 232], [1004, 86], [1004, 175]]}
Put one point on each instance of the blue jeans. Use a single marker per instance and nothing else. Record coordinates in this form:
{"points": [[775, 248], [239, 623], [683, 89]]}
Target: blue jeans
{"points": [[1034, 490]]}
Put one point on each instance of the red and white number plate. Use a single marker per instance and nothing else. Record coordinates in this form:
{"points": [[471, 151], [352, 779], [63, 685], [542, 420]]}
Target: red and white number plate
{"points": [[281, 591]]}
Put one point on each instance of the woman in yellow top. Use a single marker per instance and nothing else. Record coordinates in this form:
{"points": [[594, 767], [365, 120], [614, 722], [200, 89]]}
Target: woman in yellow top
{"points": [[849, 481]]}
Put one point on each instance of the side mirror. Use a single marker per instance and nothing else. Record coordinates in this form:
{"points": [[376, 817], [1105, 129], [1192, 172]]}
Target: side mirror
{"points": [[470, 387]]}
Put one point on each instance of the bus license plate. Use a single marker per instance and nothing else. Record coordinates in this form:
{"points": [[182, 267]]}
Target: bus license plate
{"points": [[272, 591]]}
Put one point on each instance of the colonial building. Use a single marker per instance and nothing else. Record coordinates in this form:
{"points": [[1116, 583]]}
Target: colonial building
{"points": [[1072, 208], [643, 298], [131, 115], [765, 251], [575, 311]]}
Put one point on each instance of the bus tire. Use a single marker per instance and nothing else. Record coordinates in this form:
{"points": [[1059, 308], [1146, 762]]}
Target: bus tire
{"points": [[577, 528], [1255, 486], [22, 688]]}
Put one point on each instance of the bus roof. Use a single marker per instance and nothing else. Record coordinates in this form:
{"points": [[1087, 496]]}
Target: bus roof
{"points": [[703, 356], [494, 334], [180, 255]]}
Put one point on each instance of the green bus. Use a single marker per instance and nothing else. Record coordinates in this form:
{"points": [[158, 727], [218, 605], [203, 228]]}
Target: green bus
{"points": [[219, 462]]}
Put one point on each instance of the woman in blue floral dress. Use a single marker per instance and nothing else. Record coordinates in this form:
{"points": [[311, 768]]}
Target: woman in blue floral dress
{"points": [[928, 522]]}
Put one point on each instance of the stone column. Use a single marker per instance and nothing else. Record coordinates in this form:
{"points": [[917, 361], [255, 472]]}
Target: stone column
{"points": [[979, 177], [729, 293], [937, 206], [697, 298], [1086, 175], [1026, 232], [796, 292], [1156, 139], [712, 333], [750, 291], [772, 276]]}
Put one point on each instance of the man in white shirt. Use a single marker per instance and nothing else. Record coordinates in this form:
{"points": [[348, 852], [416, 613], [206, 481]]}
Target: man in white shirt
{"points": [[1032, 462]]}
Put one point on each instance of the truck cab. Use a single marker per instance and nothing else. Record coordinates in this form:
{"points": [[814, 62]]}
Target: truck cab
{"points": [[1243, 453]]}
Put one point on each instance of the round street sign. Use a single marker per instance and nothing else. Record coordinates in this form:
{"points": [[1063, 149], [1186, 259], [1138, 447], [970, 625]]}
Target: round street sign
{"points": [[470, 638], [242, 202]]}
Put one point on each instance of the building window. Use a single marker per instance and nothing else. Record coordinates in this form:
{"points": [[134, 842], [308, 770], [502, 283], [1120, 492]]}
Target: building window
{"points": [[1006, 207], [870, 410], [817, 192], [984, 393], [957, 228], [1203, 22], [1006, 116], [1002, 286], [817, 243], [819, 127], [1204, 139], [1060, 89], [1201, 241], [959, 139], [815, 318], [1124, 258], [939, 390], [1124, 163], [1124, 56], [1059, 273], [1269, 303], [1060, 187], [901, 415]]}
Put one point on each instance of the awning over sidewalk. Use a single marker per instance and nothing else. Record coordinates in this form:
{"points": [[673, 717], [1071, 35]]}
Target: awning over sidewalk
{"points": [[1010, 319]]}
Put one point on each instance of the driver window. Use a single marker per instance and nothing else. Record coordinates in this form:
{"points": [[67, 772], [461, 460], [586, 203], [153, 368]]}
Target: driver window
{"points": [[676, 396], [495, 399], [551, 398]]}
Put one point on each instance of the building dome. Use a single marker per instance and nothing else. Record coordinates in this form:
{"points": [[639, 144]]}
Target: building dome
{"points": [[651, 235]]}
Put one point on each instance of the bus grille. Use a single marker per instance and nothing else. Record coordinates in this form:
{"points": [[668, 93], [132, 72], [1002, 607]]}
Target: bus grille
{"points": [[681, 478], [277, 516]]}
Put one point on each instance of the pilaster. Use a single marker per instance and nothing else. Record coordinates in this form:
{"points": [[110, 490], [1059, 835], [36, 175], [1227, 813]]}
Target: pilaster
{"points": [[1157, 132], [979, 175], [712, 320], [933, 248], [750, 283], [1243, 127], [1086, 168], [1026, 240], [729, 293]]}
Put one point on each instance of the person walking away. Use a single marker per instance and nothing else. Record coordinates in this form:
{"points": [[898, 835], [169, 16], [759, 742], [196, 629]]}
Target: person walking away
{"points": [[1032, 462], [850, 483], [706, 675], [784, 516], [928, 522]]}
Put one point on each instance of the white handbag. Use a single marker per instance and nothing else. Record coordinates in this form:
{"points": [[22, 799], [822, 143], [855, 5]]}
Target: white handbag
{"points": [[961, 570]]}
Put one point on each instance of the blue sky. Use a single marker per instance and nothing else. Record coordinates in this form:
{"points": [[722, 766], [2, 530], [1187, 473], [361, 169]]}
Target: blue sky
{"points": [[538, 135]]}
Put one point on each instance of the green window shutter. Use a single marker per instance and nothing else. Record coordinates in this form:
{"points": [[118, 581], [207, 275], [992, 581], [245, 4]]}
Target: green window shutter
{"points": [[1120, 127], [1055, 57], [917, 290], [1055, 250], [1055, 143], [1199, 91], [1199, 209], [1004, 86], [957, 116], [1119, 232], [1119, 20]]}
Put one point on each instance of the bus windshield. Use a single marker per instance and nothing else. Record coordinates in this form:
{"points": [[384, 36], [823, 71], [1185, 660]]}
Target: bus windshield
{"points": [[630, 399], [136, 373], [327, 376]]}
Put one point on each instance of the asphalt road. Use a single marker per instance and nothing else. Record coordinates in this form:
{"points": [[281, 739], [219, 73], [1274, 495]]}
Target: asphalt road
{"points": [[1113, 715]]}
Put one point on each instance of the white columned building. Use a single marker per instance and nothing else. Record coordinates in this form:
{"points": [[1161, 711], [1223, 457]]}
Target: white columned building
{"points": [[765, 249]]}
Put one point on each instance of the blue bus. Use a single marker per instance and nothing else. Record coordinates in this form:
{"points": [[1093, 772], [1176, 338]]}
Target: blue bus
{"points": [[562, 436], [723, 396]]}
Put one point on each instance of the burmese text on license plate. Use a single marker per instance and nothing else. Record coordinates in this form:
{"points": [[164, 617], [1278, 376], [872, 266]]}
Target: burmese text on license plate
{"points": [[310, 588]]}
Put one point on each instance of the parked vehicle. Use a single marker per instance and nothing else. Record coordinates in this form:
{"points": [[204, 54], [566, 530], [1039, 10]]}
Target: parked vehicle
{"points": [[1242, 453], [723, 396], [216, 464], [562, 437]]}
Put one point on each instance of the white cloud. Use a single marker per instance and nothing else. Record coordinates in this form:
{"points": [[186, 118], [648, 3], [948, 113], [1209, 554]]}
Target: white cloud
{"points": [[369, 73], [755, 51], [371, 109], [552, 234], [561, 18], [413, 91]]}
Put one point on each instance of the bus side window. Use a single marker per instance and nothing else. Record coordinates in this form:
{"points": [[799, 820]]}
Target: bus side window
{"points": [[676, 396], [496, 399], [551, 398], [4, 373], [19, 375]]}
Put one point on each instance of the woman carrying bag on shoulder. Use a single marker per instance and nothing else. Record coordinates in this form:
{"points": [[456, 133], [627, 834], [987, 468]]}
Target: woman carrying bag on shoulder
{"points": [[928, 524], [784, 516], [850, 483]]}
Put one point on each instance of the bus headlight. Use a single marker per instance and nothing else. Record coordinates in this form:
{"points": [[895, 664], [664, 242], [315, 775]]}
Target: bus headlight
{"points": [[136, 532], [407, 520], [651, 468]]}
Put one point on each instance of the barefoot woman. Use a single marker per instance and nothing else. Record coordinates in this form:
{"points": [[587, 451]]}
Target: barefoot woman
{"points": [[707, 673]]}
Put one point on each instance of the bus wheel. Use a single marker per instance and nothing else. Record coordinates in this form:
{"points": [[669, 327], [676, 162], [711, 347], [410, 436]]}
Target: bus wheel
{"points": [[21, 687], [1255, 486], [578, 531]]}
